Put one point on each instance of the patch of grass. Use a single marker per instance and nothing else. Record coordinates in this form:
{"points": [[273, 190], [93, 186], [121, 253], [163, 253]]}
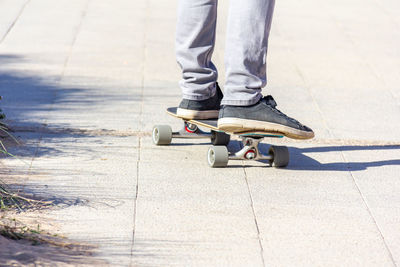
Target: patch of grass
{"points": [[16, 230], [9, 200], [2, 115], [11, 205], [4, 133], [13, 229], [13, 201]]}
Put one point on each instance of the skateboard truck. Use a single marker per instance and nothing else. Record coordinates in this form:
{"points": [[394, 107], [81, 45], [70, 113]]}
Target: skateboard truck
{"points": [[278, 156], [190, 130], [250, 150]]}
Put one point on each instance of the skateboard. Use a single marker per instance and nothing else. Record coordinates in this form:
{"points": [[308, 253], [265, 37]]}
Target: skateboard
{"points": [[218, 154]]}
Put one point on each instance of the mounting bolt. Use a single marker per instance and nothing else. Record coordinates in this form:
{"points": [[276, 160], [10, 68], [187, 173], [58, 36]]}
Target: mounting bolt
{"points": [[190, 128], [251, 154]]}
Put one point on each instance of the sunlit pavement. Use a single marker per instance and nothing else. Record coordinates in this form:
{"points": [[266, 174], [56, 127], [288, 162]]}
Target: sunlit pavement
{"points": [[83, 82]]}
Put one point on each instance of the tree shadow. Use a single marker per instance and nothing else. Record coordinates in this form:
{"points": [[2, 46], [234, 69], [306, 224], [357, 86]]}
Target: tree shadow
{"points": [[30, 98], [30, 196]]}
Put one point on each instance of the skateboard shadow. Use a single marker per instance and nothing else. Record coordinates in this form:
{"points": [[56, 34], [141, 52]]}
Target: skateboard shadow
{"points": [[299, 160]]}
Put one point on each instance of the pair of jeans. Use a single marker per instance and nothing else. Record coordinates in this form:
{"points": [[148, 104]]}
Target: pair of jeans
{"points": [[249, 23]]}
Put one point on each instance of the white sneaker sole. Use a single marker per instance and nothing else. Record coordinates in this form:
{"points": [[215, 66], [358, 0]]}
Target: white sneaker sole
{"points": [[188, 114], [236, 125]]}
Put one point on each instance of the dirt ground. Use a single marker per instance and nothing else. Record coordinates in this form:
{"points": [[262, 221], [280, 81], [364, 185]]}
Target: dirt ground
{"points": [[41, 242], [23, 253]]}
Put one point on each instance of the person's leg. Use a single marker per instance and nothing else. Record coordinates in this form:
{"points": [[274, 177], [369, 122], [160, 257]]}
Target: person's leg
{"points": [[249, 23], [195, 39], [244, 109]]}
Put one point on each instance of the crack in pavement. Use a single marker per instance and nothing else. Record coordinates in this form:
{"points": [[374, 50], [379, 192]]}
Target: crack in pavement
{"points": [[255, 217], [14, 21]]}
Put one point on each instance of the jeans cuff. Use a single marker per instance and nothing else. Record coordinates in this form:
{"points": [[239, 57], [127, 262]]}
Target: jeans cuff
{"points": [[211, 92], [233, 102]]}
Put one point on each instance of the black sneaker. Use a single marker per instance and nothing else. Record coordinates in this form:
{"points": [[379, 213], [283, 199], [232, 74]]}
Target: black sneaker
{"points": [[261, 117], [200, 109]]}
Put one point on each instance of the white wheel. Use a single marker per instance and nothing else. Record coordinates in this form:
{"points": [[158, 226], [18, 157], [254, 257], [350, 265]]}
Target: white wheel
{"points": [[162, 135], [218, 156], [280, 156]]}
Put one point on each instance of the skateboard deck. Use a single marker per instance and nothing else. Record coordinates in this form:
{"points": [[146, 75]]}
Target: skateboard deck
{"points": [[212, 124]]}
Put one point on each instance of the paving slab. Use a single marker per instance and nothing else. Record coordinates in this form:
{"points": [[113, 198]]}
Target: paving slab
{"points": [[190, 220], [330, 217]]}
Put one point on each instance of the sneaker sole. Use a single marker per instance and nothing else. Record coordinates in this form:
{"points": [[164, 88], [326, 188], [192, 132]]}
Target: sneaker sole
{"points": [[197, 114], [236, 125]]}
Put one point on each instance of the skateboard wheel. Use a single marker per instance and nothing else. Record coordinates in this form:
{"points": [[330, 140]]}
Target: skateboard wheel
{"points": [[280, 156], [162, 135], [218, 156], [220, 138]]}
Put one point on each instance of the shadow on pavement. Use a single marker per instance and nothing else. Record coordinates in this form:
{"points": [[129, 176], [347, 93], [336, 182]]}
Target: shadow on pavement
{"points": [[22, 253], [30, 98], [300, 161]]}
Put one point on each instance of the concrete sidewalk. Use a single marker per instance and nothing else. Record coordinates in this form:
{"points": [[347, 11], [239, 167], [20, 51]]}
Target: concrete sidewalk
{"points": [[84, 82]]}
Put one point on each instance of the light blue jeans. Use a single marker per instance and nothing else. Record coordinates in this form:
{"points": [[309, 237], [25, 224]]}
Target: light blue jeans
{"points": [[249, 23]]}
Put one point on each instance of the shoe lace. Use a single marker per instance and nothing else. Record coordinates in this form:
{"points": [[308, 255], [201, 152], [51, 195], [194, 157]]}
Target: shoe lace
{"points": [[270, 101]]}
